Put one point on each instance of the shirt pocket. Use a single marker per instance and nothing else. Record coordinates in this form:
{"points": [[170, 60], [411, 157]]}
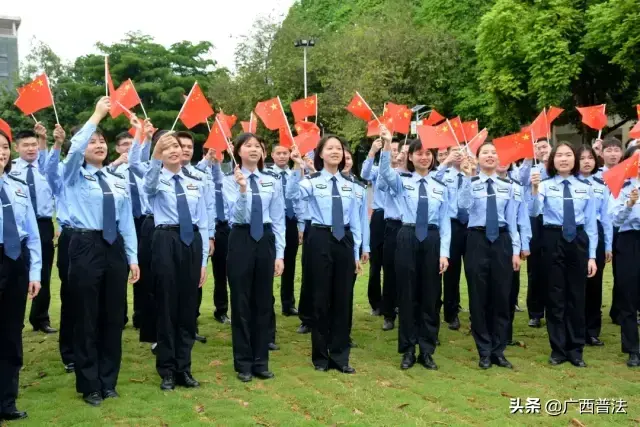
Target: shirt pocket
{"points": [[20, 204], [90, 191], [580, 201]]}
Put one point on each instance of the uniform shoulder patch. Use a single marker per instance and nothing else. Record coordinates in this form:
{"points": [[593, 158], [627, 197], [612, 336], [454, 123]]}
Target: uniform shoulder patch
{"points": [[116, 174], [546, 179], [439, 182], [188, 174], [508, 181], [17, 179], [271, 173], [598, 180], [584, 181], [474, 178], [406, 174], [347, 177], [315, 175], [515, 181]]}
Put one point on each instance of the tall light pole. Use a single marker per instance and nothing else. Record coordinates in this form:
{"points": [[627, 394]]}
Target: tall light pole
{"points": [[304, 44]]}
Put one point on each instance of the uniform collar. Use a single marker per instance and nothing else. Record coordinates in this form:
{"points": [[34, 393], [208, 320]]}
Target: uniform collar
{"points": [[277, 169], [166, 173], [417, 177], [327, 176], [92, 169], [247, 173], [558, 179], [22, 164], [484, 177]]}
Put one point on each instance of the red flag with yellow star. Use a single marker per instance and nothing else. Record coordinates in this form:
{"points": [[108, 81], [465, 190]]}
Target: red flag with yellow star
{"points": [[304, 108], [477, 140], [229, 120], [402, 120], [307, 141], [251, 126], [125, 96], [216, 138], [373, 127], [306, 127], [285, 139], [35, 96], [470, 129], [594, 116], [6, 129], [433, 119], [514, 147], [196, 108], [456, 125], [271, 114], [359, 108], [616, 176], [225, 123], [440, 136]]}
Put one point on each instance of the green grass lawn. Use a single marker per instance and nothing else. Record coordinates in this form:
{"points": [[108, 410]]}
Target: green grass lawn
{"points": [[459, 393]]}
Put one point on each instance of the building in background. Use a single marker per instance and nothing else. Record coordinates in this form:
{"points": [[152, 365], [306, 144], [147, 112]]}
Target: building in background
{"points": [[8, 51]]}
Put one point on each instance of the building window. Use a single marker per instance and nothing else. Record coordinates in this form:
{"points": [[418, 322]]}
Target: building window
{"points": [[4, 67]]}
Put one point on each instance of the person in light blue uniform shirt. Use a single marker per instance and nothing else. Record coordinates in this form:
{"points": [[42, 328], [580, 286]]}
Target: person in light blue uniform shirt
{"points": [[179, 257], [305, 306], [422, 250], [493, 252], [255, 254], [570, 241], [28, 168], [334, 242], [102, 244], [19, 277]]}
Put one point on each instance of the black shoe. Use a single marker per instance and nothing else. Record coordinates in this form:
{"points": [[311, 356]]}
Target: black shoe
{"points": [[273, 347], [201, 339], [320, 368], [168, 383], [408, 360], [634, 360], [186, 380], [110, 394], [291, 312], [303, 329], [375, 312], [93, 398], [347, 370], [264, 375], [535, 323], [388, 325], [501, 361], [579, 363], [427, 361], [13, 416], [47, 329], [154, 348], [245, 377], [485, 362], [455, 324], [70, 368], [224, 319], [594, 341], [555, 361]]}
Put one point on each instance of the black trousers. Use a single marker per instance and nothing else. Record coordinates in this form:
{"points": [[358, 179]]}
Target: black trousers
{"points": [[451, 277], [98, 281], [614, 310], [219, 264], [176, 274], [147, 309], [287, 297], [513, 301], [250, 266], [389, 280], [39, 315], [593, 293], [14, 284], [489, 272], [66, 298], [536, 273], [331, 268], [566, 263], [419, 290], [305, 306], [376, 228], [628, 252]]}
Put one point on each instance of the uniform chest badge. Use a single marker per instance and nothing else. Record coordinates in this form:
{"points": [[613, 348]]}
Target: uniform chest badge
{"points": [[19, 193], [345, 188], [164, 182], [15, 173], [580, 191], [321, 186], [554, 188], [120, 186], [408, 187], [266, 184], [192, 187], [503, 190], [435, 191], [449, 180], [89, 177], [597, 190], [478, 188]]}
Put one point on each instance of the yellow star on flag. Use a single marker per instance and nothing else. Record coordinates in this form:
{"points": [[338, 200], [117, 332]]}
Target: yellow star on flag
{"points": [[525, 136], [274, 106], [40, 82], [359, 103], [406, 115]]}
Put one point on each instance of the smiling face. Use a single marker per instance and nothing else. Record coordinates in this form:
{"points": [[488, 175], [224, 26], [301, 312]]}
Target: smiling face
{"points": [[97, 150], [442, 154], [5, 152], [422, 160], [187, 150], [332, 153], [488, 157], [250, 152], [173, 154], [280, 156], [123, 145], [564, 160]]}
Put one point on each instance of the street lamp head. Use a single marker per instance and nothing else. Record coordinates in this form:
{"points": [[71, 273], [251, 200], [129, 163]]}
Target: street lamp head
{"points": [[304, 43], [417, 108]]}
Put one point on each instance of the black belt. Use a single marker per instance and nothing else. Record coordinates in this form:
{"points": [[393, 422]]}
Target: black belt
{"points": [[267, 226], [328, 227], [222, 223], [484, 229], [458, 221], [429, 227], [44, 218], [559, 227], [173, 227], [85, 230], [393, 220], [378, 210], [143, 217]]}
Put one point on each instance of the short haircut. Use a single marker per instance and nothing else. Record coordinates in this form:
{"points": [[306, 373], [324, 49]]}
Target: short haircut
{"points": [[611, 141], [184, 134], [551, 167], [121, 136], [24, 134]]}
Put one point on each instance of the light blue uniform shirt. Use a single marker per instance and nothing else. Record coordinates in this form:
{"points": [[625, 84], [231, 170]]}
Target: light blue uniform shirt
{"points": [[473, 196], [159, 185], [44, 195], [26, 222], [270, 189], [550, 203], [600, 171], [298, 205], [361, 195], [53, 172], [317, 190], [405, 188], [209, 196], [123, 170], [623, 216], [370, 173], [139, 161], [601, 195], [449, 176], [83, 194], [524, 223], [525, 179]]}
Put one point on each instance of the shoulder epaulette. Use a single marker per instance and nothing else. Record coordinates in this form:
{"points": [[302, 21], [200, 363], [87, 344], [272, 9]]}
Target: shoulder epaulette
{"points": [[546, 179], [18, 179], [439, 182], [628, 182], [271, 173], [598, 180], [347, 176], [515, 181], [508, 181], [406, 174], [188, 174], [359, 183], [584, 181], [116, 174], [14, 161], [475, 178], [447, 170], [315, 175]]}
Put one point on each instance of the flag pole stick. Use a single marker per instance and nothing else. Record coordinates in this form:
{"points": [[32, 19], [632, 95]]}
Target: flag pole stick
{"points": [[229, 147], [454, 134], [316, 95], [125, 108], [143, 110], [250, 121], [285, 119], [34, 118], [372, 112], [106, 78], [208, 126], [183, 104], [53, 102]]}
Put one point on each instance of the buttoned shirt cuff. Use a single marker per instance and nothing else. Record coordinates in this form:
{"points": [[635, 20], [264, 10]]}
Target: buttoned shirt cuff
{"points": [[34, 275], [132, 259], [280, 254]]}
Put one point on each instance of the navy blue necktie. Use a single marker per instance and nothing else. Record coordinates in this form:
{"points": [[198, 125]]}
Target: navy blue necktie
{"points": [[568, 214], [219, 203], [422, 214], [288, 204], [135, 196], [184, 216], [9, 228], [491, 226], [337, 215], [109, 227], [463, 214], [32, 188], [256, 228]]}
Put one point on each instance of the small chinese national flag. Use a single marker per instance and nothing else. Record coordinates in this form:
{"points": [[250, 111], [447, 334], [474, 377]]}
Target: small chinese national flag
{"points": [[285, 139], [456, 125], [359, 108], [540, 127], [196, 108], [477, 141], [229, 120], [616, 176], [35, 96], [440, 136], [307, 141], [216, 139], [553, 113], [594, 116], [251, 126], [373, 127], [402, 120], [470, 129], [306, 127], [433, 119], [514, 147], [304, 108], [271, 114], [125, 96], [4, 127], [225, 123]]}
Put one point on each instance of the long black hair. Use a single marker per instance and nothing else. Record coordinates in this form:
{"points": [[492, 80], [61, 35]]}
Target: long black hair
{"points": [[551, 167], [242, 139], [7, 167], [318, 163], [587, 149], [416, 145]]}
